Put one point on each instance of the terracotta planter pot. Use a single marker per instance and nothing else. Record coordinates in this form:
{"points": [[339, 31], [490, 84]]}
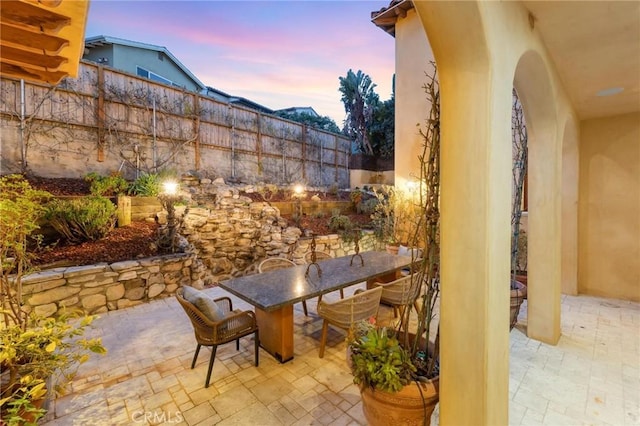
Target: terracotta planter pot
{"points": [[393, 248], [411, 406], [517, 297]]}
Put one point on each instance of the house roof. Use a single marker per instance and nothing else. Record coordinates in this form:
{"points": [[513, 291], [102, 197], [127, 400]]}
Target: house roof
{"points": [[293, 110], [386, 17], [102, 40], [238, 100]]}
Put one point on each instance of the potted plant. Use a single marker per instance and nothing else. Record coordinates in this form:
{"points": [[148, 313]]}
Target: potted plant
{"points": [[397, 368], [34, 350]]}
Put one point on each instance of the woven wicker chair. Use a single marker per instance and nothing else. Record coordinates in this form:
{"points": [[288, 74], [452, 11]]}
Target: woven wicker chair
{"points": [[236, 324], [273, 263], [344, 312], [321, 255], [400, 293]]}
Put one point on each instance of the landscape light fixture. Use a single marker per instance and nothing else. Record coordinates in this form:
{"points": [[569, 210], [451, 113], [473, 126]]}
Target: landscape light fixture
{"points": [[170, 187]]}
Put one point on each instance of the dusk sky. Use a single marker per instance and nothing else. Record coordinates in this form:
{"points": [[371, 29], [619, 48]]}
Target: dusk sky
{"points": [[276, 53]]}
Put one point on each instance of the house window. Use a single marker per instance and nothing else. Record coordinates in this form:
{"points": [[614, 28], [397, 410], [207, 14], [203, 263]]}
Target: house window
{"points": [[152, 76]]}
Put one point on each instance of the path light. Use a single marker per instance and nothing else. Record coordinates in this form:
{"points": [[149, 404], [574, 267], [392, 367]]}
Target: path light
{"points": [[170, 187], [412, 186], [168, 235], [298, 195]]}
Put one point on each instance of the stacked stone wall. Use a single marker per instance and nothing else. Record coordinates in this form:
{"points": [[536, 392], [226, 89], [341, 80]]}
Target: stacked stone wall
{"points": [[106, 287], [228, 234]]}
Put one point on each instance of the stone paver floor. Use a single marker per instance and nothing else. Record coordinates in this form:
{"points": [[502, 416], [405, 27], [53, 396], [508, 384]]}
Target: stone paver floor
{"points": [[591, 377]]}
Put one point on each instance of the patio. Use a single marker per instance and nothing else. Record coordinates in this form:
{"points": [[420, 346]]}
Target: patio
{"points": [[591, 377]]}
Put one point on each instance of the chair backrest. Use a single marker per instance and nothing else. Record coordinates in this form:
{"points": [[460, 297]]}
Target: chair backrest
{"points": [[273, 263], [344, 312], [202, 326], [320, 255], [402, 291]]}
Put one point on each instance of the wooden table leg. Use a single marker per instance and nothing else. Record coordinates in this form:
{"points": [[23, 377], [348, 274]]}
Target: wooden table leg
{"points": [[386, 278], [276, 332]]}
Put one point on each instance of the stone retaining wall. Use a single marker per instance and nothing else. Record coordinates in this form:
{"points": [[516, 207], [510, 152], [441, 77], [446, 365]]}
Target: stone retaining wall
{"points": [[105, 287], [229, 236]]}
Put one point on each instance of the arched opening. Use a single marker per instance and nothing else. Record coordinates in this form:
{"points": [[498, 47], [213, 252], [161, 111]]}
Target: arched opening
{"points": [[533, 84]]}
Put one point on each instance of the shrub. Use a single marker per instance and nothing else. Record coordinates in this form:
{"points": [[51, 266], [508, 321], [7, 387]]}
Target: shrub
{"points": [[147, 185], [82, 219], [20, 211], [113, 184], [369, 206], [339, 223]]}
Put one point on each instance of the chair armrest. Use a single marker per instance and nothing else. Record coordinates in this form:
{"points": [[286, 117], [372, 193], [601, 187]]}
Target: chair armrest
{"points": [[224, 303], [235, 323]]}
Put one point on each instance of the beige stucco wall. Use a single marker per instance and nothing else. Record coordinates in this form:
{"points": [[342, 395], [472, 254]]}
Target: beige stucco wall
{"points": [[483, 49], [413, 56], [609, 227]]}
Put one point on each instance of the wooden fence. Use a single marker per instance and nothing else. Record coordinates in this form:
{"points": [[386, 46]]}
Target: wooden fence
{"points": [[107, 120]]}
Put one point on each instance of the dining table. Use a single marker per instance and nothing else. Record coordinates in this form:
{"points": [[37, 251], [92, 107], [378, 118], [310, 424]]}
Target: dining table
{"points": [[274, 293]]}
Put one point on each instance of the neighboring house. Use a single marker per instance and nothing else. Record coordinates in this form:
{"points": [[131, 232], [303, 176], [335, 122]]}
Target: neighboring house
{"points": [[221, 96], [299, 110], [145, 60]]}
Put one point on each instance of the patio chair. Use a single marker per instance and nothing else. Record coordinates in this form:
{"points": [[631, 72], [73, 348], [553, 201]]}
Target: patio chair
{"points": [[273, 263], [232, 326], [344, 312], [400, 293], [321, 255]]}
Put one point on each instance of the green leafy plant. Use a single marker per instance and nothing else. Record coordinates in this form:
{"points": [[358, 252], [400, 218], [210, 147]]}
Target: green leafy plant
{"points": [[377, 358], [147, 185], [32, 349], [356, 198], [340, 223], [396, 215], [21, 208], [111, 185], [50, 348], [369, 206], [389, 358], [82, 219]]}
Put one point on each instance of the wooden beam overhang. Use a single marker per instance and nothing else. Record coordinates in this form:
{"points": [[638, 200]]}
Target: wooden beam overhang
{"points": [[42, 40]]}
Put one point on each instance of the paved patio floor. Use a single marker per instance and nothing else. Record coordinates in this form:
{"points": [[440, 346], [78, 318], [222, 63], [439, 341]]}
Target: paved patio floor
{"points": [[592, 377]]}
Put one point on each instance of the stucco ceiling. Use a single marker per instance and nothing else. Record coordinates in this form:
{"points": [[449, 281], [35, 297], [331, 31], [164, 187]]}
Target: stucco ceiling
{"points": [[595, 46]]}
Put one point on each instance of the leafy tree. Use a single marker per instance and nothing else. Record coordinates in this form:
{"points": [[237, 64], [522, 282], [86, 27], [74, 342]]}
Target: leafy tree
{"points": [[322, 123], [381, 131], [360, 101]]}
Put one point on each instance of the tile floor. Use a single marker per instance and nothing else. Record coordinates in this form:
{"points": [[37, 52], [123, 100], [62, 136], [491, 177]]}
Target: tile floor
{"points": [[592, 377]]}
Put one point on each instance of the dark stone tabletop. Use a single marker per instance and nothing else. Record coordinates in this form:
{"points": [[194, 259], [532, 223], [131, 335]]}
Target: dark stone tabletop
{"points": [[275, 289]]}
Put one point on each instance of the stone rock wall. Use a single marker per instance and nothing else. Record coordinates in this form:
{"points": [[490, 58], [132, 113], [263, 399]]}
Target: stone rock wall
{"points": [[106, 287], [231, 233], [228, 234]]}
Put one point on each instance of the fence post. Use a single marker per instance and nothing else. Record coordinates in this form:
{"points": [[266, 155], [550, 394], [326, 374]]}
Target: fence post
{"points": [[304, 152], [259, 143], [100, 113], [335, 157], [124, 210], [196, 129]]}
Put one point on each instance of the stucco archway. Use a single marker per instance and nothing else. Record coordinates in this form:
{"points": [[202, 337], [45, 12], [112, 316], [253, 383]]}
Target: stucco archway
{"points": [[475, 205], [533, 84]]}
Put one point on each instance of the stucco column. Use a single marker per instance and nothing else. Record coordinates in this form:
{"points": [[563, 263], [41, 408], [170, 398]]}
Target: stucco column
{"points": [[475, 218]]}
